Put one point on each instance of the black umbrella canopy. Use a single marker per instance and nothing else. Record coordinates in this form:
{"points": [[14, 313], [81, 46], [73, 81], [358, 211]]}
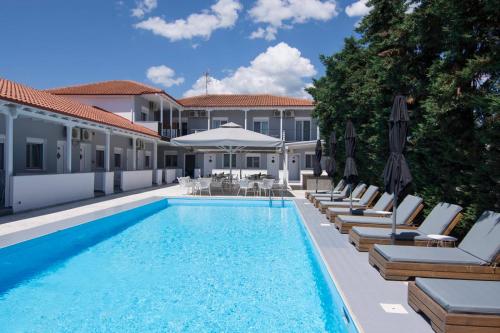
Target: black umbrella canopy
{"points": [[318, 152], [397, 175], [350, 170], [331, 166]]}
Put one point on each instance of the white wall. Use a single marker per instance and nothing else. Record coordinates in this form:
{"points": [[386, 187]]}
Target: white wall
{"points": [[121, 105], [104, 182], [36, 191], [132, 180]]}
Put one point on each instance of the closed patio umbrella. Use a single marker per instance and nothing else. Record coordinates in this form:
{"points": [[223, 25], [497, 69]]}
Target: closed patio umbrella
{"points": [[331, 166], [350, 170], [397, 175], [317, 171]]}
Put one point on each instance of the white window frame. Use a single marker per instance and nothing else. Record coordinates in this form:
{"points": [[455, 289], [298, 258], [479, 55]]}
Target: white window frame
{"points": [[295, 127], [119, 151], [223, 160], [252, 155], [226, 119], [261, 120], [170, 153], [43, 142], [100, 148], [312, 154], [147, 153]]}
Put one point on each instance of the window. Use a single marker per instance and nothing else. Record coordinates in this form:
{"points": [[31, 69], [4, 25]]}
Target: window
{"points": [[99, 158], [118, 160], [309, 160], [303, 130], [34, 154], [226, 160], [261, 125], [144, 113], [218, 122], [253, 161], [170, 161], [147, 160]]}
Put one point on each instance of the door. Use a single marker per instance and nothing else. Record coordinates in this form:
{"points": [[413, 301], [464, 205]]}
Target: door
{"points": [[208, 164], [273, 165], [61, 156], [189, 165], [140, 160], [294, 167], [85, 157]]}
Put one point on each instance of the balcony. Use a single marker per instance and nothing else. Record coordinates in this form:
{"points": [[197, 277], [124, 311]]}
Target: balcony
{"points": [[152, 125], [169, 133]]}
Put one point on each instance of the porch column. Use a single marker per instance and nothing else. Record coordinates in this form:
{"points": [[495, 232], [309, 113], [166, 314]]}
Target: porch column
{"points": [[69, 148], [246, 113], [155, 155], [170, 120], [180, 123], [281, 124], [107, 152], [134, 154], [317, 131], [9, 154], [208, 124], [161, 115]]}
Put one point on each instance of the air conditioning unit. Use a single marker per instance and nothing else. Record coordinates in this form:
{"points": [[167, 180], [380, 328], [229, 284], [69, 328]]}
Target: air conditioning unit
{"points": [[277, 113], [202, 114], [86, 134], [75, 134], [289, 114], [193, 114]]}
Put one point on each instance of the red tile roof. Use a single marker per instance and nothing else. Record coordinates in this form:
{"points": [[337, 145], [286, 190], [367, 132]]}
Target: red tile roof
{"points": [[115, 87], [244, 101], [22, 94]]}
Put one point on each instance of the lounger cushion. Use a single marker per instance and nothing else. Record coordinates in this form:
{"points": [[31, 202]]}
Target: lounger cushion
{"points": [[407, 207], [364, 219], [439, 218], [383, 202], [369, 193], [483, 239], [347, 211], [463, 296], [431, 255], [385, 233], [342, 204], [356, 193]]}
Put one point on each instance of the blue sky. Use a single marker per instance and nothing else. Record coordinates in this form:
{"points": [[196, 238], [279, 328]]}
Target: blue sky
{"points": [[248, 46]]}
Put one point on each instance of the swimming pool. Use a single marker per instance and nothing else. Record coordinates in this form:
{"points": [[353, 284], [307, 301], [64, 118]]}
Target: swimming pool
{"points": [[176, 265]]}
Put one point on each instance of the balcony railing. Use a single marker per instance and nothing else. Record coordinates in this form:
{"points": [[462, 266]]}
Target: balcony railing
{"points": [[169, 133]]}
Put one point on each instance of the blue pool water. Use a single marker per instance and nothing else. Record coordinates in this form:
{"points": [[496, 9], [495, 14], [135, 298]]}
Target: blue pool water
{"points": [[181, 265]]}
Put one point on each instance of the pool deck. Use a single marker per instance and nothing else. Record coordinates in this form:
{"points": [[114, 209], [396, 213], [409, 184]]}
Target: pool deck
{"points": [[361, 286]]}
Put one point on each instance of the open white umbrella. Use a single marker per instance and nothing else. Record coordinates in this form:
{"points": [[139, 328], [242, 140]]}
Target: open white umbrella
{"points": [[229, 137]]}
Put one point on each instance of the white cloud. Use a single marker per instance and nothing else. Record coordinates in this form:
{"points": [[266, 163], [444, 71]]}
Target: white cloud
{"points": [[280, 70], [358, 8], [163, 75], [223, 14], [282, 13], [412, 6], [144, 7]]}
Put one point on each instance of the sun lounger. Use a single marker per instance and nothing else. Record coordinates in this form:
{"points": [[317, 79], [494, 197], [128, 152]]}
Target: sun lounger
{"points": [[381, 208], [357, 192], [364, 201], [476, 257], [440, 221], [457, 305], [409, 208], [336, 189], [341, 194]]}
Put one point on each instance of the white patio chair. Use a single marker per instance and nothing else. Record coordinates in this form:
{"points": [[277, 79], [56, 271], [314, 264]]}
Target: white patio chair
{"points": [[246, 185], [186, 184], [267, 186], [203, 184], [217, 184]]}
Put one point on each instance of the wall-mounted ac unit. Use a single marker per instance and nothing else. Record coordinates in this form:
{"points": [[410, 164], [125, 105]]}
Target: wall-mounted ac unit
{"points": [[277, 113], [289, 114], [75, 134], [86, 135], [202, 114], [193, 114]]}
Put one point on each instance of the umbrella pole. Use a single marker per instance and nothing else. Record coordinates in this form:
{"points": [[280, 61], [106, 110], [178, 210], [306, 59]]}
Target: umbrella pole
{"points": [[331, 189], [231, 169], [350, 195], [394, 208], [316, 184]]}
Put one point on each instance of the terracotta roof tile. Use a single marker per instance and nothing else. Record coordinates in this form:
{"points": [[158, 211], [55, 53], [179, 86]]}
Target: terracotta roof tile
{"points": [[22, 94], [244, 101], [116, 87]]}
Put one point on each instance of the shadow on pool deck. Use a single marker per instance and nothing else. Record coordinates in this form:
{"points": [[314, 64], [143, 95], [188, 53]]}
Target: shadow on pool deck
{"points": [[361, 285]]}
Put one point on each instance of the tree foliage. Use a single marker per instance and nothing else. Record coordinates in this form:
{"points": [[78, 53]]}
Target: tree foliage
{"points": [[444, 56]]}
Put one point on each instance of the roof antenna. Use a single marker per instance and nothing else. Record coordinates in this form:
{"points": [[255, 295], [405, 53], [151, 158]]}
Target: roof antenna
{"points": [[207, 81]]}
